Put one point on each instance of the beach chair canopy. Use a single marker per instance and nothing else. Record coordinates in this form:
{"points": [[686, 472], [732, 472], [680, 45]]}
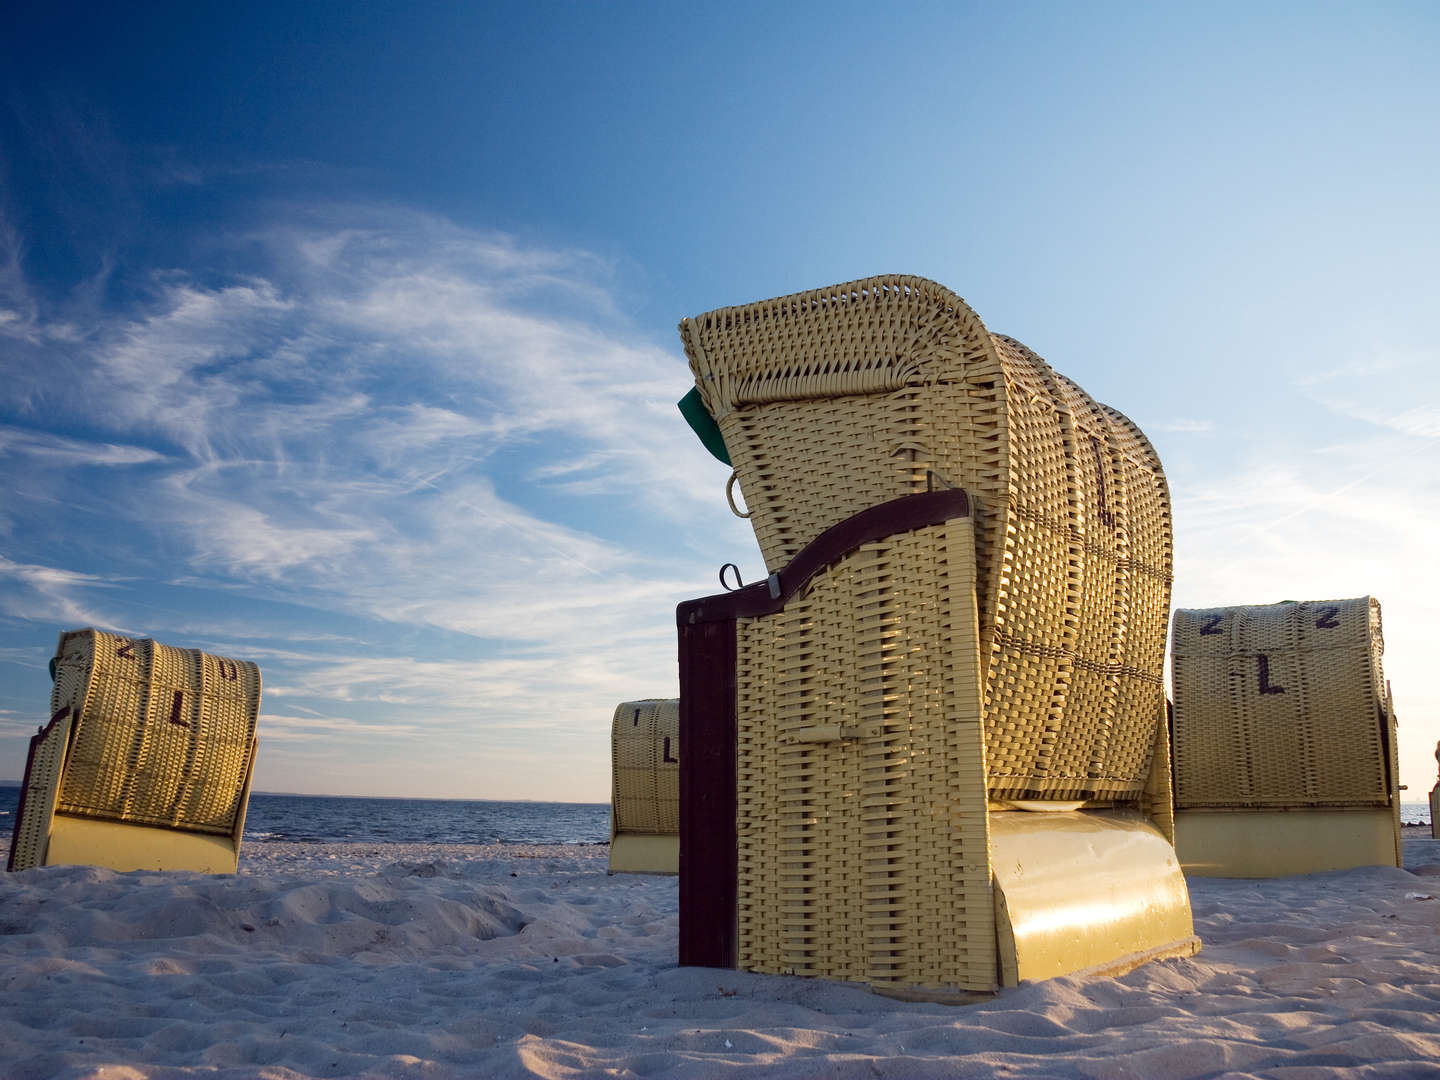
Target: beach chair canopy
{"points": [[970, 574], [645, 787], [146, 761], [1285, 756]]}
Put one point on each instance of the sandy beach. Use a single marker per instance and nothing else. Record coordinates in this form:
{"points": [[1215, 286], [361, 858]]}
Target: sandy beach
{"points": [[437, 961]]}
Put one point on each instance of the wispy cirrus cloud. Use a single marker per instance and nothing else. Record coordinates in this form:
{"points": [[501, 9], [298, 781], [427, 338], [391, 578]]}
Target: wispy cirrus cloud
{"points": [[370, 366], [1392, 387], [278, 726], [51, 594], [62, 451], [1182, 426], [393, 420]]}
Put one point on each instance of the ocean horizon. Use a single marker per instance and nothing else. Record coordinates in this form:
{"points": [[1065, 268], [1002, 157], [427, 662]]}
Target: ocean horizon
{"points": [[275, 817], [278, 817]]}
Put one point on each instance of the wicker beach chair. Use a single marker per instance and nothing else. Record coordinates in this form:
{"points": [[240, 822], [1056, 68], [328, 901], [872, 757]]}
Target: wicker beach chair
{"points": [[1285, 755], [928, 753], [1435, 801], [146, 761], [645, 787]]}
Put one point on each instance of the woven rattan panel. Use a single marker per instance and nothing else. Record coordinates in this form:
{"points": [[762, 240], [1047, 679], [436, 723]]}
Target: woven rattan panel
{"points": [[42, 774], [839, 399], [865, 857], [645, 754], [163, 737], [1281, 705]]}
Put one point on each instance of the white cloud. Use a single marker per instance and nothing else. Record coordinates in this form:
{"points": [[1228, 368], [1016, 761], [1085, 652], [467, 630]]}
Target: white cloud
{"points": [[1391, 387], [58, 450], [1375, 367], [1182, 426], [346, 418], [48, 594], [394, 422], [279, 727]]}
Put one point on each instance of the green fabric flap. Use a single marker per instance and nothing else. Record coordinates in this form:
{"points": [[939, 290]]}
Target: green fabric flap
{"points": [[703, 424]]}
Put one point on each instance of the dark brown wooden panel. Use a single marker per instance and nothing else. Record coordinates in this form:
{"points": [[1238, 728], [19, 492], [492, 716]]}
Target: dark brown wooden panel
{"points": [[708, 854]]}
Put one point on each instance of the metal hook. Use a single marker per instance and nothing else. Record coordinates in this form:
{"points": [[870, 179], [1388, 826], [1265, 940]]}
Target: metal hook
{"points": [[730, 495]]}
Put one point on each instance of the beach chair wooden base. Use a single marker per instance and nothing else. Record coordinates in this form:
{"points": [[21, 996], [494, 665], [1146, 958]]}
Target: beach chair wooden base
{"points": [[146, 762], [80, 842], [635, 853], [1098, 892], [1279, 843]]}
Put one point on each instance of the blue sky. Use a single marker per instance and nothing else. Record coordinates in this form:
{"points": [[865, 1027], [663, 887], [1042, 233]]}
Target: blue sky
{"points": [[342, 337]]}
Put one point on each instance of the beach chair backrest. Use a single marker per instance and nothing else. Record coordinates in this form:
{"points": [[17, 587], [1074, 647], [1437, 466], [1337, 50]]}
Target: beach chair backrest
{"points": [[1281, 705], [835, 400], [645, 745]]}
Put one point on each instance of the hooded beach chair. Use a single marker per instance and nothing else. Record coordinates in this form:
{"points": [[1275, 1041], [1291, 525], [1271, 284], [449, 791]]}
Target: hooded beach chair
{"points": [[645, 787], [1284, 740], [928, 752], [1435, 801], [146, 761]]}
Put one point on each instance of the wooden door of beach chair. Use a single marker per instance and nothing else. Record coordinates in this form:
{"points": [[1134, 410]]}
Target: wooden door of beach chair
{"points": [[964, 621], [1284, 740], [645, 787], [146, 761]]}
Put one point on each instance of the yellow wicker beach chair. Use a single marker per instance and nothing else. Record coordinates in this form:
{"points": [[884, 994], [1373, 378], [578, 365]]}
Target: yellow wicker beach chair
{"points": [[645, 787], [1435, 801], [146, 761], [1284, 740], [928, 753]]}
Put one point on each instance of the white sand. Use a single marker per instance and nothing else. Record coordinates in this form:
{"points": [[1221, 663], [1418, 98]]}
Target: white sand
{"points": [[434, 961]]}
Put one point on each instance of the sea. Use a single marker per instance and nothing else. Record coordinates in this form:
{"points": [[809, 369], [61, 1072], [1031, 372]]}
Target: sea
{"points": [[331, 819], [328, 819]]}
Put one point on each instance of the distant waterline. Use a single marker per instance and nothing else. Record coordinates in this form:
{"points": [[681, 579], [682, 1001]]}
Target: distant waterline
{"points": [[331, 820], [326, 819]]}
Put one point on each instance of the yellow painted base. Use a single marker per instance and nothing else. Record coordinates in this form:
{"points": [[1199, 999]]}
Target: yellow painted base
{"points": [[85, 842], [638, 853], [1279, 843], [1085, 892]]}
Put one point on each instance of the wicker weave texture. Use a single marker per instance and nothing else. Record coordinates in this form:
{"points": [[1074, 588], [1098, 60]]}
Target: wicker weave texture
{"points": [[861, 804], [645, 759], [163, 736], [838, 399], [31, 831], [1281, 705]]}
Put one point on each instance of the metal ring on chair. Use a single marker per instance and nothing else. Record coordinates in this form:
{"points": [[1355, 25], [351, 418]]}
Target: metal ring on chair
{"points": [[730, 495], [739, 584]]}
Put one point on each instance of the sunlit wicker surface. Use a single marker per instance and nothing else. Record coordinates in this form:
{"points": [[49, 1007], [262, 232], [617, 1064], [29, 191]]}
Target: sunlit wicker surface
{"points": [[164, 735], [645, 756], [838, 399], [1282, 705], [865, 857]]}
